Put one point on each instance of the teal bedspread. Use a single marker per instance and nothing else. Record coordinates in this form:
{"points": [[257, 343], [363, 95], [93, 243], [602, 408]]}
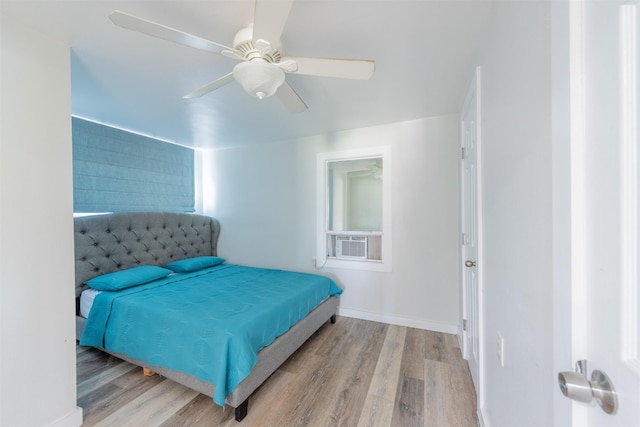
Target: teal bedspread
{"points": [[210, 324]]}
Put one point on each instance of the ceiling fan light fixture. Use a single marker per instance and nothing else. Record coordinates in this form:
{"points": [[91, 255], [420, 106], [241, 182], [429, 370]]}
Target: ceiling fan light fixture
{"points": [[258, 77]]}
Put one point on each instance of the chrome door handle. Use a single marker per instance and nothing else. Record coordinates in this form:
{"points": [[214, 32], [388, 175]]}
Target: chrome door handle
{"points": [[469, 263], [576, 386]]}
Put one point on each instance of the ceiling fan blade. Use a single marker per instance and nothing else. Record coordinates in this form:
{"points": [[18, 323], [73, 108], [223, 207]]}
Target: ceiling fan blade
{"points": [[209, 87], [290, 98], [154, 29], [359, 69], [287, 66], [269, 18]]}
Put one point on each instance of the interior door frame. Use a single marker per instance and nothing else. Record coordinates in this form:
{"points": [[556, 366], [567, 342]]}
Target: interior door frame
{"points": [[474, 89], [568, 199], [583, 146]]}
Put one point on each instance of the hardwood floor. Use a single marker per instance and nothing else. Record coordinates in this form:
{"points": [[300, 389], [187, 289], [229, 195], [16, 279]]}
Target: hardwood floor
{"points": [[352, 373]]}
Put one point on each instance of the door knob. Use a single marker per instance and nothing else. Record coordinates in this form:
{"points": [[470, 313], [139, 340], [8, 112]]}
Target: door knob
{"points": [[576, 386], [469, 263]]}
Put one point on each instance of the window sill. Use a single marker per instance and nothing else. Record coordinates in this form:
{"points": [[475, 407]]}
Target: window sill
{"points": [[357, 264]]}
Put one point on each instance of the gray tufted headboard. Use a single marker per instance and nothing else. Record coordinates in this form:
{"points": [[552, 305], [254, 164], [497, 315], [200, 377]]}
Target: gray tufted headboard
{"points": [[112, 242]]}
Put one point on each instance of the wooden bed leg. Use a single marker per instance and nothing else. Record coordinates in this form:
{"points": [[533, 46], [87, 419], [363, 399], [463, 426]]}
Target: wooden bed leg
{"points": [[148, 372], [333, 319], [241, 410]]}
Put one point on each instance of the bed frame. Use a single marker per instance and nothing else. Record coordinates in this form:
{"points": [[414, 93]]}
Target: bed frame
{"points": [[112, 242]]}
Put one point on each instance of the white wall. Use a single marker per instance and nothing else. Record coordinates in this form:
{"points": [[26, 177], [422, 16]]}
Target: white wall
{"points": [[516, 165], [37, 335], [266, 203]]}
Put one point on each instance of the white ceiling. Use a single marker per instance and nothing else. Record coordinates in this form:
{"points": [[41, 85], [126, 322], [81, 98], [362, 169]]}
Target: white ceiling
{"points": [[424, 52]]}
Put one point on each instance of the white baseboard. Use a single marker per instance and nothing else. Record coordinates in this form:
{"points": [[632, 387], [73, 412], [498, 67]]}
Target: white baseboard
{"points": [[482, 418], [72, 419], [400, 321]]}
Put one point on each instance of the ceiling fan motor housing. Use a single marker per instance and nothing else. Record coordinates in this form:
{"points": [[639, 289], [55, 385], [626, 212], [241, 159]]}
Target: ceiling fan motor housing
{"points": [[243, 42]]}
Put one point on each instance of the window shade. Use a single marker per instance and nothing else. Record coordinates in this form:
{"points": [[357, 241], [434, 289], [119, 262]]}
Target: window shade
{"points": [[119, 171]]}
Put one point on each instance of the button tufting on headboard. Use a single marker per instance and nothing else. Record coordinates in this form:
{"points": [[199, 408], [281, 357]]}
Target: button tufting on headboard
{"points": [[108, 243]]}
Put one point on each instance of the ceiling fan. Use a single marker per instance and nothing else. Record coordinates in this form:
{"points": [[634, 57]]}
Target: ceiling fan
{"points": [[263, 65]]}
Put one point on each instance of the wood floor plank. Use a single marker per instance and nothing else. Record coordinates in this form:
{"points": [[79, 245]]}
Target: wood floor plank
{"points": [[332, 389], [353, 380], [151, 408], [378, 405], [414, 354], [107, 399], [452, 341], [92, 362], [388, 365], [275, 396], [352, 373], [449, 396], [443, 348], [104, 377], [201, 411], [313, 384], [86, 353], [296, 361], [376, 412], [436, 348], [461, 387], [340, 333], [409, 410]]}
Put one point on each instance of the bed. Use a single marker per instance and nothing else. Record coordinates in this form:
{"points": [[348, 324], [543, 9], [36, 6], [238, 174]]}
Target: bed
{"points": [[140, 246]]}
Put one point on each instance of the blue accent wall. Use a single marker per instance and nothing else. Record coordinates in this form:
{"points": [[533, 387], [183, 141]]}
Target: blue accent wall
{"points": [[119, 171]]}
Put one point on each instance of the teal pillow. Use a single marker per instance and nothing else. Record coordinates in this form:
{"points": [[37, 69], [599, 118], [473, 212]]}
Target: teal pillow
{"points": [[194, 264], [127, 278]]}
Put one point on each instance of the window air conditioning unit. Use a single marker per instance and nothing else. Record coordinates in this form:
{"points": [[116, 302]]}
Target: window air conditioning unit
{"points": [[351, 247]]}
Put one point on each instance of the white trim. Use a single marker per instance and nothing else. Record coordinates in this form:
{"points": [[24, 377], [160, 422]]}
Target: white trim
{"points": [[483, 420], [578, 165], [475, 88], [447, 328], [72, 419], [322, 261], [353, 264], [464, 348], [629, 184], [561, 202], [577, 126], [480, 262]]}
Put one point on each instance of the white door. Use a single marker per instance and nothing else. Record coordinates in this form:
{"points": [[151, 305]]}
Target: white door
{"points": [[470, 121], [605, 193]]}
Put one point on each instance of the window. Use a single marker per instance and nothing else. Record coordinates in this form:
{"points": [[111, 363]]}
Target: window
{"points": [[354, 215]]}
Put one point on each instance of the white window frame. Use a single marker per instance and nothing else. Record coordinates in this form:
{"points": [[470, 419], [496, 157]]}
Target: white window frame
{"points": [[322, 260]]}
